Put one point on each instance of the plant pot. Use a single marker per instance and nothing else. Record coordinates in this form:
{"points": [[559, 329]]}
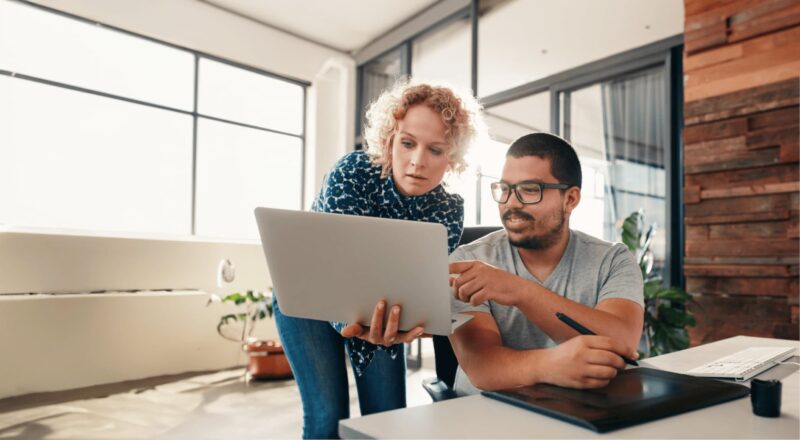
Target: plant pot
{"points": [[267, 360]]}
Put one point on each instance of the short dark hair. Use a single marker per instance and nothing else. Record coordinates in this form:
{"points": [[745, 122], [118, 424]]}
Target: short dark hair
{"points": [[564, 163]]}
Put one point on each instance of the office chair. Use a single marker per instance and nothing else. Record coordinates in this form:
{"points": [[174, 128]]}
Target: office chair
{"points": [[441, 386]]}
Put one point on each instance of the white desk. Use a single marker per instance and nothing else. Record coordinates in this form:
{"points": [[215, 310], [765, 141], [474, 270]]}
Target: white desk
{"points": [[482, 417]]}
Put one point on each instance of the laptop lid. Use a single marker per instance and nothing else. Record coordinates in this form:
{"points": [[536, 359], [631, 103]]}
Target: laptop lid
{"points": [[336, 267]]}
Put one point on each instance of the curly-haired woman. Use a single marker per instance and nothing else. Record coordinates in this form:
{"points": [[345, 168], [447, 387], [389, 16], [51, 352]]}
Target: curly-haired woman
{"points": [[415, 133]]}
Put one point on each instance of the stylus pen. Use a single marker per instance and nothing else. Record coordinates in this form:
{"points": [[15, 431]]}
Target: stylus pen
{"points": [[585, 331]]}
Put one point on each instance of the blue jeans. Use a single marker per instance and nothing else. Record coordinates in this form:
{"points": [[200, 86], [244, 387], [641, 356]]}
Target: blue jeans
{"points": [[317, 357]]}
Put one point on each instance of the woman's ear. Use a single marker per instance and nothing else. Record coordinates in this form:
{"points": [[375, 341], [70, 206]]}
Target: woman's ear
{"points": [[573, 197]]}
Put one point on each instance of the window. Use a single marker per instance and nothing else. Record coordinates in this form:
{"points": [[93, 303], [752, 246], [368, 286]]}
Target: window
{"points": [[238, 169], [619, 129], [444, 55], [56, 48], [506, 123], [80, 161], [614, 97], [106, 131], [251, 98]]}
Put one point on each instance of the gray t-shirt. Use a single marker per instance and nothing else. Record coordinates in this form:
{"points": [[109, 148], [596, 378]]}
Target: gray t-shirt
{"points": [[591, 270]]}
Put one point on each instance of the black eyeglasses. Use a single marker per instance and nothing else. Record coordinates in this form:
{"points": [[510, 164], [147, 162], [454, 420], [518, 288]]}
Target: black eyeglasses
{"points": [[527, 193]]}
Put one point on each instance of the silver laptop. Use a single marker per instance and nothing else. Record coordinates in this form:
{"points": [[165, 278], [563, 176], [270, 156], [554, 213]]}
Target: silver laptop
{"points": [[337, 267]]}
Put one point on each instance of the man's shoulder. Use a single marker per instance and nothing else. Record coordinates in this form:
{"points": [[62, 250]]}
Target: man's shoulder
{"points": [[606, 257], [487, 248], [586, 245]]}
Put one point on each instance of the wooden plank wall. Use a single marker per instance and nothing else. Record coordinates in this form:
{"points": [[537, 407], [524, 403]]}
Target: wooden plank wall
{"points": [[741, 93]]}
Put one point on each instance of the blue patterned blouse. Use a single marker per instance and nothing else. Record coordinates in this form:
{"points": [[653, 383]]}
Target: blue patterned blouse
{"points": [[354, 186]]}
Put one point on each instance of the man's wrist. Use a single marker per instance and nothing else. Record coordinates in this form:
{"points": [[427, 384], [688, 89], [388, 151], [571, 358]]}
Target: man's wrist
{"points": [[524, 294], [536, 365]]}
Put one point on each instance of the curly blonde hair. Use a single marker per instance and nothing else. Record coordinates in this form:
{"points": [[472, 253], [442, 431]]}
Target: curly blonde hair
{"points": [[461, 115]]}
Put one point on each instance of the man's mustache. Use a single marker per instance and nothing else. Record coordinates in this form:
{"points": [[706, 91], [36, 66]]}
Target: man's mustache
{"points": [[517, 213]]}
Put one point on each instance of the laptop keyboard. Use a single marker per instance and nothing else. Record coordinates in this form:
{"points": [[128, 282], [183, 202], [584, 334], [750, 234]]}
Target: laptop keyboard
{"points": [[744, 363]]}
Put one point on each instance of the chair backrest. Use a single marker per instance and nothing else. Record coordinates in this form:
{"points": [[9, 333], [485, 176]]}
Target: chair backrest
{"points": [[446, 362]]}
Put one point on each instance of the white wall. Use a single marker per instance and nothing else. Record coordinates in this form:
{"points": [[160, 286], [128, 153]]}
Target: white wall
{"points": [[56, 342], [52, 343], [53, 337]]}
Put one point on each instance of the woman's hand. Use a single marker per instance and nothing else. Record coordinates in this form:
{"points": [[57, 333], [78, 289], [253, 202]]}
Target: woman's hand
{"points": [[376, 334]]}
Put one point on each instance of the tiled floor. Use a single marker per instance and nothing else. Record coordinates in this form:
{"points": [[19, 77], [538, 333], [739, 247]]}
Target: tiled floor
{"points": [[218, 405]]}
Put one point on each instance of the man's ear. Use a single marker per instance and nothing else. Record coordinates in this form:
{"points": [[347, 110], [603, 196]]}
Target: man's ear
{"points": [[571, 199]]}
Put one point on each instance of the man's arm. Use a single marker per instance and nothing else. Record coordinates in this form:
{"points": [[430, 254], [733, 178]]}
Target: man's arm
{"points": [[618, 319], [581, 362]]}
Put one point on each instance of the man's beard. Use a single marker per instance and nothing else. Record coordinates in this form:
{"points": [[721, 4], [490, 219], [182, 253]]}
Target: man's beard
{"points": [[542, 242]]}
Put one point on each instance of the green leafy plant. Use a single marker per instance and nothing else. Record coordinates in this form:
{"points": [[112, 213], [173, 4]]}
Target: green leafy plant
{"points": [[239, 327], [666, 317]]}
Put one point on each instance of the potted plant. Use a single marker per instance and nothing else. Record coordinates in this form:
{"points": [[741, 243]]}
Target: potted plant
{"points": [[266, 358], [666, 316]]}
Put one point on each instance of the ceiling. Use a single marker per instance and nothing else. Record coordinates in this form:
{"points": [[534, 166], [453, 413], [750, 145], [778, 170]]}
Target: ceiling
{"points": [[344, 25]]}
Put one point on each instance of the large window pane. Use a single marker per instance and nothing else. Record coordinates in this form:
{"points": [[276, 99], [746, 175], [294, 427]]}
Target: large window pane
{"points": [[521, 40], [45, 45], [444, 55], [619, 130], [517, 118], [79, 161], [239, 95], [506, 123], [238, 169]]}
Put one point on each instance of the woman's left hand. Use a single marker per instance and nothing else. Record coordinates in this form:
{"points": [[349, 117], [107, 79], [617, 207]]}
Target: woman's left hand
{"points": [[376, 334]]}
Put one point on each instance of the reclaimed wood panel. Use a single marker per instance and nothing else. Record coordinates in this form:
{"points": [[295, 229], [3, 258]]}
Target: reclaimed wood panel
{"points": [[750, 190], [741, 152], [777, 16], [737, 218], [743, 19], [775, 118], [742, 205], [714, 56], [751, 176], [719, 317], [742, 66], [793, 231], [691, 194], [775, 287], [733, 160], [766, 75], [777, 95], [709, 36], [772, 137], [695, 148], [696, 232], [745, 48], [708, 17], [789, 153], [794, 260], [747, 230], [695, 7], [728, 128], [765, 247], [737, 270]]}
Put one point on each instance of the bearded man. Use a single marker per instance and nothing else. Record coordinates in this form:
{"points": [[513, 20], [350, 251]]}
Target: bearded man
{"points": [[515, 280]]}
